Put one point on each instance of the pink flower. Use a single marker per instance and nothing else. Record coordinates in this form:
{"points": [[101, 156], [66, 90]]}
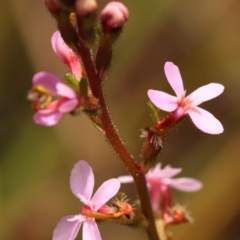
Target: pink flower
{"points": [[114, 15], [66, 55], [160, 182], [182, 105], [46, 86], [82, 183]]}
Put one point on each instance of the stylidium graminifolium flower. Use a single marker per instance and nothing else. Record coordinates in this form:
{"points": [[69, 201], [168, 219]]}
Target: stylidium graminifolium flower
{"points": [[51, 98], [46, 88], [82, 183], [181, 104], [160, 182]]}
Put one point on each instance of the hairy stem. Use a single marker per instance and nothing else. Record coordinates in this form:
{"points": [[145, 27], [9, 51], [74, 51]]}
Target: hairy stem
{"points": [[117, 144]]}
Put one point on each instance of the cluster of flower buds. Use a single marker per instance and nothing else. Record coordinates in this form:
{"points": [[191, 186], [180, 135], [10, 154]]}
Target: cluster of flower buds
{"points": [[77, 22]]}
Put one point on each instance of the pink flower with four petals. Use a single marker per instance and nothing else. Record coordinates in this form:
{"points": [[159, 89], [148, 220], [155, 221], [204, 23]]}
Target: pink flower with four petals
{"points": [[82, 183], [54, 111], [160, 182], [182, 105]]}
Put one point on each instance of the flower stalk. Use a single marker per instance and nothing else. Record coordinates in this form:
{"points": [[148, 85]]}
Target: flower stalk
{"points": [[116, 142]]}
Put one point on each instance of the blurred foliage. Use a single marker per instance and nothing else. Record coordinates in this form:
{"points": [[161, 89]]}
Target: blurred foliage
{"points": [[201, 37]]}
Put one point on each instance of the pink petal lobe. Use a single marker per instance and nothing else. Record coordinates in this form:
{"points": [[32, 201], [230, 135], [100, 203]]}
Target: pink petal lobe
{"points": [[66, 230], [90, 230], [65, 91], [68, 106], [105, 192], [82, 180], [48, 80], [125, 179], [166, 172], [47, 117], [205, 93], [163, 100], [205, 121], [66, 54], [174, 78], [75, 66], [184, 184]]}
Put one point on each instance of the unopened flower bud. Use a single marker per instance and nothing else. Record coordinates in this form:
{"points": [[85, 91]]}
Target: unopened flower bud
{"points": [[114, 15], [86, 13], [85, 7]]}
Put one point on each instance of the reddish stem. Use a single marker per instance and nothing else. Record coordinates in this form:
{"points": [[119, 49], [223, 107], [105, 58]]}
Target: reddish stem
{"points": [[171, 119], [117, 144]]}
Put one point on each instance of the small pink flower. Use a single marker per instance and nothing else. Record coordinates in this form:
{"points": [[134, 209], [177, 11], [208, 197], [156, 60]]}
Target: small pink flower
{"points": [[46, 86], [82, 183], [182, 105], [114, 15], [160, 182], [66, 55]]}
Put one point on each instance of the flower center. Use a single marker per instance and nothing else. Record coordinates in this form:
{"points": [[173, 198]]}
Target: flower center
{"points": [[185, 104], [40, 96]]}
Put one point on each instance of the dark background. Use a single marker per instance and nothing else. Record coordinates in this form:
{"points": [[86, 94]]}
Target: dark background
{"points": [[201, 37]]}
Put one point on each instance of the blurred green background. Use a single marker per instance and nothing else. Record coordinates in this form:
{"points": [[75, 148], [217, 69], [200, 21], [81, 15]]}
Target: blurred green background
{"points": [[201, 37]]}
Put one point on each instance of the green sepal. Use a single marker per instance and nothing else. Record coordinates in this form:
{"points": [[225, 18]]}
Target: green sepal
{"points": [[154, 113], [83, 87], [72, 81], [77, 111], [114, 35], [100, 34]]}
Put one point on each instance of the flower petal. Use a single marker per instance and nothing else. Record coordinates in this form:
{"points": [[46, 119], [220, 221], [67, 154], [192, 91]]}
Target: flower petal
{"points": [[205, 93], [184, 184], [166, 172], [163, 100], [48, 80], [48, 117], [205, 121], [82, 180], [66, 54], [65, 91], [174, 78], [105, 192], [68, 106], [66, 230], [90, 230], [125, 179]]}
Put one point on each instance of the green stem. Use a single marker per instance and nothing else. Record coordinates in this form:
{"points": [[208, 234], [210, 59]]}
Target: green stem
{"points": [[117, 144], [162, 231]]}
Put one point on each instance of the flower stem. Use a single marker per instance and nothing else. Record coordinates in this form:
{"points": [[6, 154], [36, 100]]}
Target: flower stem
{"points": [[117, 144], [162, 231]]}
